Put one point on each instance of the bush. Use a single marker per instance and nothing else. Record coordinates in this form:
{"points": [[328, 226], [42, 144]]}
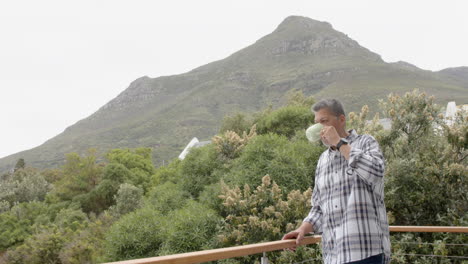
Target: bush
{"points": [[167, 197], [190, 229], [42, 247], [262, 214], [24, 185], [87, 245], [199, 169], [170, 172], [18, 223], [286, 120], [128, 198], [138, 162], [230, 145], [237, 123], [136, 235], [290, 164]]}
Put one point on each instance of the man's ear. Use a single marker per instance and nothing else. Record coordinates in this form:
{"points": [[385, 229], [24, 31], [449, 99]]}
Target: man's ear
{"points": [[342, 118]]}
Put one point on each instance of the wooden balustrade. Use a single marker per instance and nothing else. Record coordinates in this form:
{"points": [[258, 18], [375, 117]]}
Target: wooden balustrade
{"points": [[238, 251]]}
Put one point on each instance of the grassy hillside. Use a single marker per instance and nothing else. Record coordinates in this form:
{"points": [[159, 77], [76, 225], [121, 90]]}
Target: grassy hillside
{"points": [[164, 113]]}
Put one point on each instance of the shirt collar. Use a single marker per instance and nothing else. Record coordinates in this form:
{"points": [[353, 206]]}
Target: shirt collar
{"points": [[352, 135]]}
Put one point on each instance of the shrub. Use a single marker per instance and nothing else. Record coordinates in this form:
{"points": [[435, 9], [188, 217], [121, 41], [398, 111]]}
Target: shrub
{"points": [[24, 185], [138, 234], [199, 169], [190, 229], [167, 197], [128, 198], [262, 214], [230, 145], [286, 120], [17, 224], [291, 164], [238, 123]]}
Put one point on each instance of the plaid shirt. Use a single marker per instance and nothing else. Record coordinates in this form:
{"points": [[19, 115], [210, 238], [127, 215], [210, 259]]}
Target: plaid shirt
{"points": [[348, 202]]}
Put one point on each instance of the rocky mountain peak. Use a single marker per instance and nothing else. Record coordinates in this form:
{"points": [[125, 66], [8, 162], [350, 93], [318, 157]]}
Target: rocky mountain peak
{"points": [[302, 23]]}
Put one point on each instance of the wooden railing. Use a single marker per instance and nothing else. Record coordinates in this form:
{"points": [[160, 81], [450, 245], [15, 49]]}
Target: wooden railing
{"points": [[232, 252]]}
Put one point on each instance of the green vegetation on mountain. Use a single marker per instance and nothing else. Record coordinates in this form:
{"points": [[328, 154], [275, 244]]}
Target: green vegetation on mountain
{"points": [[302, 54]]}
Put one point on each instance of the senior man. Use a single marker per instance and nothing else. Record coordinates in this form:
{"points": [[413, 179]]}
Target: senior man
{"points": [[348, 199]]}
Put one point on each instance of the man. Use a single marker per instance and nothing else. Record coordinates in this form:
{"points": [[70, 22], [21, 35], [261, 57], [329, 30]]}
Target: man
{"points": [[348, 199]]}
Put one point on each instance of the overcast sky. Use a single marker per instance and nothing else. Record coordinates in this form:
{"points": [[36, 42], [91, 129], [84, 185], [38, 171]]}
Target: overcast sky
{"points": [[60, 61]]}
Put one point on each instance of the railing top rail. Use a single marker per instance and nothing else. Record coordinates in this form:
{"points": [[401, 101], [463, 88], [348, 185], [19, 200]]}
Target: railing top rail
{"points": [[430, 229], [238, 251], [222, 253]]}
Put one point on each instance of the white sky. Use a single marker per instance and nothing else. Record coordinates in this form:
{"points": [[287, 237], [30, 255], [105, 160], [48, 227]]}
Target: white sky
{"points": [[62, 60]]}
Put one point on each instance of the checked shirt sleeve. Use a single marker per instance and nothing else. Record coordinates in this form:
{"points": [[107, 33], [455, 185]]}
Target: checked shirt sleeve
{"points": [[315, 214], [367, 160]]}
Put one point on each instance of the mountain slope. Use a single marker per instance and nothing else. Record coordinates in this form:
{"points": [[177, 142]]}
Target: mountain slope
{"points": [[164, 113]]}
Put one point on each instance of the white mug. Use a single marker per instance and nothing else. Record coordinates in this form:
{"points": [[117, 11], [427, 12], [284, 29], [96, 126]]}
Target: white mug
{"points": [[313, 132]]}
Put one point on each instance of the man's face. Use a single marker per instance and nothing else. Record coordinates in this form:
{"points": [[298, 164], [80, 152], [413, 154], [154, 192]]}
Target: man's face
{"points": [[327, 118]]}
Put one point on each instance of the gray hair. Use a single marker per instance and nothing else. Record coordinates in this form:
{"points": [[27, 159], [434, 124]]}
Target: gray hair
{"points": [[333, 105]]}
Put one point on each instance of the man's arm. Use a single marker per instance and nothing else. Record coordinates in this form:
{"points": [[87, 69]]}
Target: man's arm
{"points": [[313, 221], [367, 161], [299, 233]]}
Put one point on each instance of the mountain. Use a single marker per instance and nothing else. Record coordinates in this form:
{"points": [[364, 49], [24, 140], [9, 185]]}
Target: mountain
{"points": [[164, 113]]}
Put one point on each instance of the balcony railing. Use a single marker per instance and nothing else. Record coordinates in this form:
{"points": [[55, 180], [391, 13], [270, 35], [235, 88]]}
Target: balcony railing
{"points": [[239, 251]]}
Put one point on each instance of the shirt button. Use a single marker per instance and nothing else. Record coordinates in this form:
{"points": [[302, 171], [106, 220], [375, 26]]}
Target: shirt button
{"points": [[336, 206]]}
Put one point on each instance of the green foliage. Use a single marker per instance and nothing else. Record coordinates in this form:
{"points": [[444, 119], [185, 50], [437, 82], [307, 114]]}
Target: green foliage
{"points": [[456, 132], [170, 172], [167, 197], [230, 145], [18, 223], [421, 163], [20, 164], [136, 235], [297, 97], [71, 218], [128, 198], [201, 167], [286, 120], [210, 196], [87, 245], [190, 228], [23, 185], [79, 176], [289, 163], [426, 173], [237, 123], [43, 247], [137, 161], [359, 122], [412, 116], [261, 214], [71, 239]]}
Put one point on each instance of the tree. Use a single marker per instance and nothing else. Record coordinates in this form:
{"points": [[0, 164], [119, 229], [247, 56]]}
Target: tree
{"points": [[79, 176], [285, 121], [128, 198], [291, 164], [138, 161], [20, 164]]}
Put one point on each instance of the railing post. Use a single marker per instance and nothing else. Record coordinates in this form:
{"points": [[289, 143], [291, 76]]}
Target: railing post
{"points": [[264, 259]]}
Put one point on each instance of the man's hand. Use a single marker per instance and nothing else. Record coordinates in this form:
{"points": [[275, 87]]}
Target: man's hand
{"points": [[299, 233], [329, 135]]}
